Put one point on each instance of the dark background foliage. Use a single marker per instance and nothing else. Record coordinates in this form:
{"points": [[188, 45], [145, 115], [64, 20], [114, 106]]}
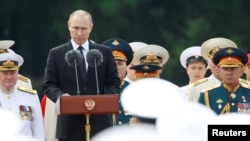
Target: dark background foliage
{"points": [[36, 26]]}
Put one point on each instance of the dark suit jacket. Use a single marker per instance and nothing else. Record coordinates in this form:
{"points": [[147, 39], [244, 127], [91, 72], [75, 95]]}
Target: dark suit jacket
{"points": [[59, 78]]}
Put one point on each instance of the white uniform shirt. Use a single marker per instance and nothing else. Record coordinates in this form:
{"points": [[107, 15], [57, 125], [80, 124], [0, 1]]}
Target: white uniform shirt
{"points": [[194, 91], [184, 91], [26, 106]]}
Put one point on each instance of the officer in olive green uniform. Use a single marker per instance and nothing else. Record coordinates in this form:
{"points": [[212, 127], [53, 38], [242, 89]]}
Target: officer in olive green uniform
{"points": [[231, 95], [123, 55]]}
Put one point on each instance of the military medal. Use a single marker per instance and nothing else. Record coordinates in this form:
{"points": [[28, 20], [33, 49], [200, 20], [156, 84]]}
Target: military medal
{"points": [[26, 112], [233, 95], [244, 99], [219, 106], [219, 101]]}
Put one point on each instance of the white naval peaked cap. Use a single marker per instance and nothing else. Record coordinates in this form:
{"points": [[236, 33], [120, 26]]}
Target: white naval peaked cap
{"points": [[193, 54], [171, 126], [137, 45], [211, 46], [151, 54], [10, 61], [146, 97], [5, 44], [10, 51]]}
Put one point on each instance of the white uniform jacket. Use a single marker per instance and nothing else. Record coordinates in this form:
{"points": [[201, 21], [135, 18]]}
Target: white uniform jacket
{"points": [[196, 87], [25, 104]]}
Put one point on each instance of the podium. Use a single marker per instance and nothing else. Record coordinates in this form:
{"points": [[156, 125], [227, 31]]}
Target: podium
{"points": [[88, 105]]}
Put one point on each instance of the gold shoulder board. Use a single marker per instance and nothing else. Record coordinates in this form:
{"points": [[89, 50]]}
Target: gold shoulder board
{"points": [[245, 85], [199, 82], [211, 87], [27, 90], [243, 81], [23, 78]]}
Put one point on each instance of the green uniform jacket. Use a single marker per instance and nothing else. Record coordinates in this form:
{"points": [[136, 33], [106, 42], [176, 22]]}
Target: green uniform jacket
{"points": [[122, 117], [223, 100]]}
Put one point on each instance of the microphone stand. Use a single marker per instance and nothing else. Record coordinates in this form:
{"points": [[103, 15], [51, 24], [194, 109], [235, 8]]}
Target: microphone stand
{"points": [[97, 83], [87, 125], [77, 83]]}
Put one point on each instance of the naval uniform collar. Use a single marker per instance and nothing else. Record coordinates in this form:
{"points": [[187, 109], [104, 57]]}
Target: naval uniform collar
{"points": [[5, 91], [230, 88]]}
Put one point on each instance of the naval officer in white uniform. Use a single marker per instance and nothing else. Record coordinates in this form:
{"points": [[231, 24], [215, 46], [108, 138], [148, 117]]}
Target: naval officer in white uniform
{"points": [[21, 101]]}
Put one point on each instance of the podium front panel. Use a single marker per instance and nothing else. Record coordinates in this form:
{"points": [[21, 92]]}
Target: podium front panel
{"points": [[89, 104]]}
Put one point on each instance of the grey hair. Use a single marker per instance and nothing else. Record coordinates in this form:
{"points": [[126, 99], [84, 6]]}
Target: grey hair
{"points": [[83, 12]]}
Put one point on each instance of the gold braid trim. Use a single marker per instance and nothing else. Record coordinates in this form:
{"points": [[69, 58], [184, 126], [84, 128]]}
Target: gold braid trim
{"points": [[226, 109], [145, 75], [206, 99], [122, 83]]}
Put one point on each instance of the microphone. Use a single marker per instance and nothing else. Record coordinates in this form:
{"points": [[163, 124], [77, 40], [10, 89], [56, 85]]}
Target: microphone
{"points": [[74, 58], [94, 59]]}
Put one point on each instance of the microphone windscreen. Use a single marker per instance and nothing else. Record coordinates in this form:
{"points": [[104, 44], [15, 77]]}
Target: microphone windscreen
{"points": [[73, 56], [94, 55]]}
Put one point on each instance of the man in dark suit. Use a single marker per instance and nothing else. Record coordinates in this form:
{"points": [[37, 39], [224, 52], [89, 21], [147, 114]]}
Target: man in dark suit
{"points": [[60, 78]]}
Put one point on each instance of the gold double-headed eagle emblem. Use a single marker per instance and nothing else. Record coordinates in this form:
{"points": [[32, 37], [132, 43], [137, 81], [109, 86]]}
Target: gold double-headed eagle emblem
{"points": [[90, 104]]}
